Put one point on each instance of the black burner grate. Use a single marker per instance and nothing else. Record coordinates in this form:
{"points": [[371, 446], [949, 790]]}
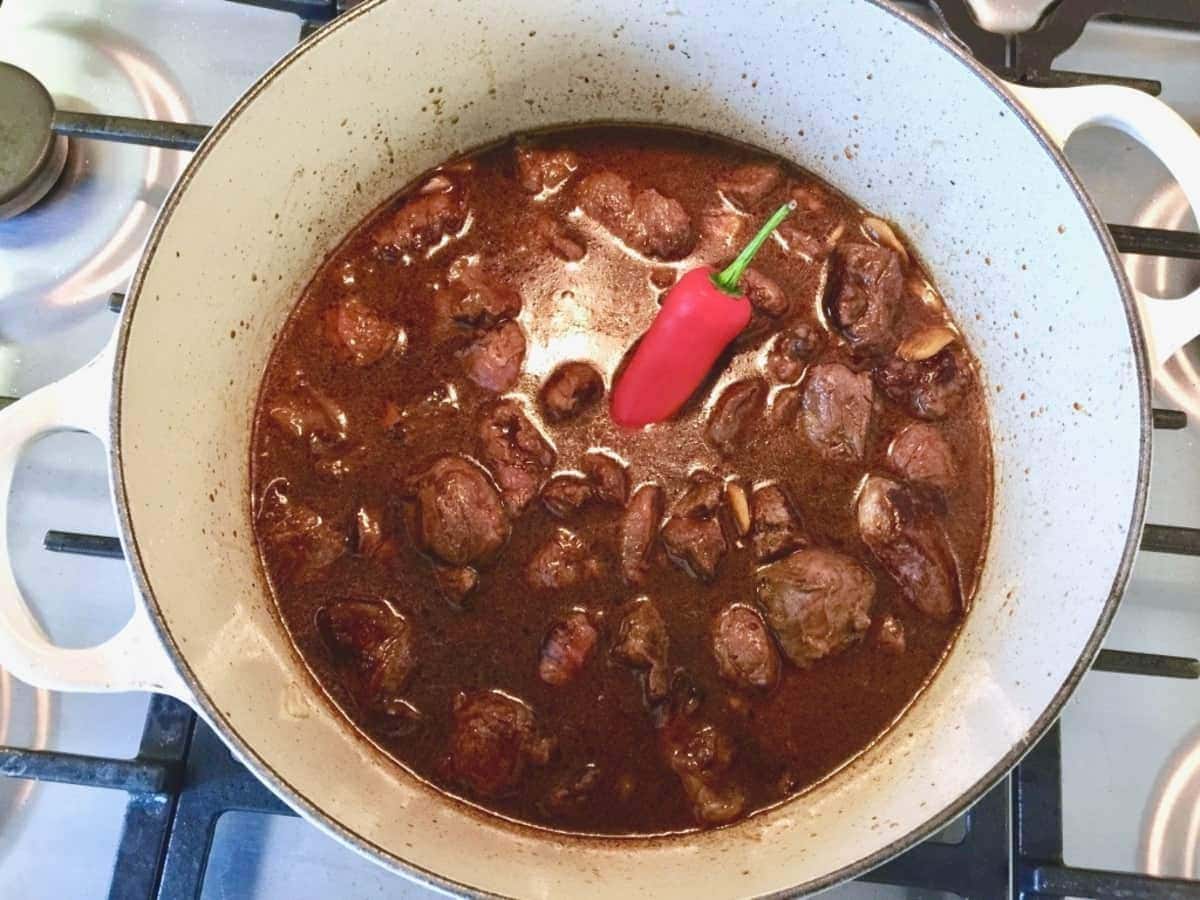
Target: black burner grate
{"points": [[183, 778]]}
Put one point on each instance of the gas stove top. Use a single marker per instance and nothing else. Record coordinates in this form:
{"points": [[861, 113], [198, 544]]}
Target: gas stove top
{"points": [[127, 796]]}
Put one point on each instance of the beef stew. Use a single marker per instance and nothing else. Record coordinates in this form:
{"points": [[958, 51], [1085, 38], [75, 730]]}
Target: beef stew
{"points": [[597, 629]]}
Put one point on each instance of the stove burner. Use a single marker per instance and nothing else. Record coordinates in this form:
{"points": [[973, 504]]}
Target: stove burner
{"points": [[32, 156]]}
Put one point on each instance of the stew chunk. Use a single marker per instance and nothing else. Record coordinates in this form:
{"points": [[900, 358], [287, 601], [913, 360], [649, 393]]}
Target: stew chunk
{"points": [[302, 543], [571, 389], [701, 756], [438, 210], [642, 642], [865, 285], [928, 389], [358, 333], [920, 453], [836, 410], [910, 543], [459, 516], [562, 562], [746, 186], [376, 641], [817, 602], [693, 536], [517, 453], [745, 653], [567, 647], [639, 527], [653, 225], [775, 528], [494, 360], [544, 170], [495, 737]]}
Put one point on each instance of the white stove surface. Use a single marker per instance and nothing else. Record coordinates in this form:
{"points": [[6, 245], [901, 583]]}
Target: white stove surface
{"points": [[1131, 746]]}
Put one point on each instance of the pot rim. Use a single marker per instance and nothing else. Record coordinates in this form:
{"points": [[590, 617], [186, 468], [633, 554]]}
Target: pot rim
{"points": [[262, 768]]}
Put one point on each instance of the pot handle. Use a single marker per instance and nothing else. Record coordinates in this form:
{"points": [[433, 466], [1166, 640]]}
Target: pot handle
{"points": [[134, 658], [1169, 324]]}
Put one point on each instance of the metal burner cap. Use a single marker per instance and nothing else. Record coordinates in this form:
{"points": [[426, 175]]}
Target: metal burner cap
{"points": [[31, 155]]}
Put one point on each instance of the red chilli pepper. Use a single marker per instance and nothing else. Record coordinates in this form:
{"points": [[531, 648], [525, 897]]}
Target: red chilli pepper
{"points": [[701, 314]]}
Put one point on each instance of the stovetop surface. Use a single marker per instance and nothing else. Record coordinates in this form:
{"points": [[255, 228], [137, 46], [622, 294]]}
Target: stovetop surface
{"points": [[1130, 746]]}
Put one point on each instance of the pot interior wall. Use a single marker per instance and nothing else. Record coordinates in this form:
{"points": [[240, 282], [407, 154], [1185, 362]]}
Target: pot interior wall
{"points": [[867, 100]]}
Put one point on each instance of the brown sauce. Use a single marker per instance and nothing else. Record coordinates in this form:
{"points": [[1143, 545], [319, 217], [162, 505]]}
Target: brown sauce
{"points": [[353, 409]]}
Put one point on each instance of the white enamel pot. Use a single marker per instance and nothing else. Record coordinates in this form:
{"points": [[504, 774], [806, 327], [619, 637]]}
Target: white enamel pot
{"points": [[871, 100]]}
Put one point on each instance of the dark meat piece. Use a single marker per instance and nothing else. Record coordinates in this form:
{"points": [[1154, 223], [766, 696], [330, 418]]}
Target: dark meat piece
{"points": [[764, 293], [302, 544], [745, 654], [455, 583], [495, 736], [309, 416], [791, 352], [920, 453], [567, 647], [459, 517], [695, 545], [566, 493], [693, 535], [571, 389], [702, 499], [660, 227], [908, 540], [642, 642], [775, 528], [358, 334], [436, 410], [747, 185], [573, 791], [608, 198], [562, 562], [654, 225], [477, 300], [425, 219], [494, 361], [639, 527], [785, 407], [929, 389], [720, 236], [609, 477], [377, 642], [735, 411], [837, 411], [817, 602], [701, 756], [517, 453], [891, 635], [865, 284], [544, 170], [564, 243], [372, 537]]}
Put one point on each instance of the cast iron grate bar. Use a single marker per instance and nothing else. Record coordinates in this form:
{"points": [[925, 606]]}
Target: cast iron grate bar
{"points": [[83, 544], [1170, 419], [133, 775], [146, 829], [1160, 666], [1037, 841], [1156, 241], [126, 130], [1171, 539], [975, 867]]}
